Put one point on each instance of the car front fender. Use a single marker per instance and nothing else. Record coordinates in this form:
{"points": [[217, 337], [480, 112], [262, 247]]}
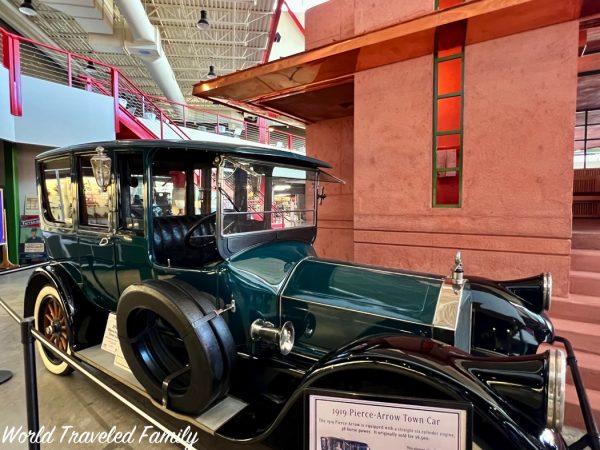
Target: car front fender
{"points": [[508, 393]]}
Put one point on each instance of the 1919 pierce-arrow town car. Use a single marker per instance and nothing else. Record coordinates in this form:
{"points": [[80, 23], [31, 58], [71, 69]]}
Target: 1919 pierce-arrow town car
{"points": [[204, 251]]}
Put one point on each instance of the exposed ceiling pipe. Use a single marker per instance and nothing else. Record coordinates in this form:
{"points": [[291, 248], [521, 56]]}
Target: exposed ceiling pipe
{"points": [[146, 45]]}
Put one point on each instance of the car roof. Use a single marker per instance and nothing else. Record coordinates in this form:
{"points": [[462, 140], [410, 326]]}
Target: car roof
{"points": [[255, 151]]}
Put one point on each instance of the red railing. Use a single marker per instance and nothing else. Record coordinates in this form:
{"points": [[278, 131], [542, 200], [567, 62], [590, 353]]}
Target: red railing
{"points": [[23, 56], [192, 116]]}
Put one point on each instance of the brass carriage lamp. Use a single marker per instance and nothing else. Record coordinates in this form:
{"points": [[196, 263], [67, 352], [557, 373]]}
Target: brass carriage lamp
{"points": [[101, 166]]}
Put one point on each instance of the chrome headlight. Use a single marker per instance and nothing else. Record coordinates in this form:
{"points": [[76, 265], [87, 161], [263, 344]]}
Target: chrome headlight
{"points": [[557, 376], [547, 290], [282, 338]]}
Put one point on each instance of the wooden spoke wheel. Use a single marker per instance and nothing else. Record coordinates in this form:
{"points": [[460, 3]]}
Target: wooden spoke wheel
{"points": [[52, 321], [55, 323]]}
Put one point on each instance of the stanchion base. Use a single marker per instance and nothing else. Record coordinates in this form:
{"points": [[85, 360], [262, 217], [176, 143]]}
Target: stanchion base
{"points": [[5, 375]]}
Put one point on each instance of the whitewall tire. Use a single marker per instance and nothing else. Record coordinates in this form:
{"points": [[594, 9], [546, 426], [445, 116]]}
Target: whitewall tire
{"points": [[50, 319]]}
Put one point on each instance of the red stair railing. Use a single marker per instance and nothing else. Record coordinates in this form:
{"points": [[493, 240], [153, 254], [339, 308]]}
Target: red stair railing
{"points": [[23, 56]]}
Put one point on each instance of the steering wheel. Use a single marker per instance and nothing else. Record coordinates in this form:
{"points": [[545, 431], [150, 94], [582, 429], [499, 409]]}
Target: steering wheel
{"points": [[206, 239]]}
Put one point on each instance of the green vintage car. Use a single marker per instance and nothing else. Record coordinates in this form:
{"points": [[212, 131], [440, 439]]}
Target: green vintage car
{"points": [[204, 251]]}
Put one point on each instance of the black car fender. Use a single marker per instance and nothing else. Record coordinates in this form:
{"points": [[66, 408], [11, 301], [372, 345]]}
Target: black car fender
{"points": [[509, 393], [380, 364], [85, 321]]}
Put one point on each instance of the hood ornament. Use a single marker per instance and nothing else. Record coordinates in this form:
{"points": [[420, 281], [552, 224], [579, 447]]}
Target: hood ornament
{"points": [[458, 271]]}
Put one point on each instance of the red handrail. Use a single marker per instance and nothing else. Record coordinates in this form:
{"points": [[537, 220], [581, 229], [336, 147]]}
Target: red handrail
{"points": [[115, 84]]}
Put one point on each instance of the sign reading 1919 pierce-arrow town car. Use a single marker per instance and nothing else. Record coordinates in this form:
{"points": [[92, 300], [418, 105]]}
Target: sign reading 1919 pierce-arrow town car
{"points": [[204, 252]]}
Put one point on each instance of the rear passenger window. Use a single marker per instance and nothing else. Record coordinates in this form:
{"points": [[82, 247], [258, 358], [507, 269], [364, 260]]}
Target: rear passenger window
{"points": [[132, 191], [169, 190], [93, 202], [56, 187]]}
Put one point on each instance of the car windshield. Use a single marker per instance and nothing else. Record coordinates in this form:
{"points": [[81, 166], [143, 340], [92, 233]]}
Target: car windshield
{"points": [[258, 196]]}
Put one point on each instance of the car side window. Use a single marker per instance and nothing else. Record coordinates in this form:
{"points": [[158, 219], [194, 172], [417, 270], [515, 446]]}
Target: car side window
{"points": [[169, 187], [93, 201], [131, 173], [57, 196], [205, 190]]}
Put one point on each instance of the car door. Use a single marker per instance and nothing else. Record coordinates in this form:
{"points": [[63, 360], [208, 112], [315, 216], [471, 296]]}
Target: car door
{"points": [[95, 239], [131, 238]]}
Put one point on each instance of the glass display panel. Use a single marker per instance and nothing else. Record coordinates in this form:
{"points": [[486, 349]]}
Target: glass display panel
{"points": [[57, 193], [257, 196], [94, 202]]}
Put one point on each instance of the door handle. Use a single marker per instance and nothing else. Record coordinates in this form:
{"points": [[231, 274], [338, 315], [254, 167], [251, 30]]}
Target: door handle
{"points": [[104, 241]]}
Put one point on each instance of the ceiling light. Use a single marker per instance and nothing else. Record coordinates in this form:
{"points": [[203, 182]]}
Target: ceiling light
{"points": [[211, 72], [203, 22], [90, 68], [27, 8]]}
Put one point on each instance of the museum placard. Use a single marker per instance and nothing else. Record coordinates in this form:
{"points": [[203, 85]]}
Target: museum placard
{"points": [[358, 423]]}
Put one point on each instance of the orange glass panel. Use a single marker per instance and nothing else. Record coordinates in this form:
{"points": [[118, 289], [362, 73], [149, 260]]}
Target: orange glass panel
{"points": [[449, 76], [450, 38], [447, 188], [448, 151], [448, 3], [448, 114]]}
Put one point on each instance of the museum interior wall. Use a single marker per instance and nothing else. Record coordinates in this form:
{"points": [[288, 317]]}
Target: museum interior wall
{"points": [[515, 217]]}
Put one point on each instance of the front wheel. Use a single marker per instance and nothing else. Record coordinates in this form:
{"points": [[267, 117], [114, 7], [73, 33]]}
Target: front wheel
{"points": [[50, 319]]}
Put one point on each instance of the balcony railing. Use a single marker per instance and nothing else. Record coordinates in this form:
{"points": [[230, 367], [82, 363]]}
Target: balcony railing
{"points": [[23, 56]]}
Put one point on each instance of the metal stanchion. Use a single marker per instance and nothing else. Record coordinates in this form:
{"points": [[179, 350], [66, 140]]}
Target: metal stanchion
{"points": [[31, 394]]}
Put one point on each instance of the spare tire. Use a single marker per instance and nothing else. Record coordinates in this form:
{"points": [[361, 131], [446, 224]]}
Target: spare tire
{"points": [[162, 329], [207, 304]]}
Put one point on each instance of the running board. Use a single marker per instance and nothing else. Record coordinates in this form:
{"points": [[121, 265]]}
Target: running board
{"points": [[209, 421]]}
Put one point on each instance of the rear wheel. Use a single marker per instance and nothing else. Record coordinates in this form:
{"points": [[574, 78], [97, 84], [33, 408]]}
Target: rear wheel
{"points": [[50, 319]]}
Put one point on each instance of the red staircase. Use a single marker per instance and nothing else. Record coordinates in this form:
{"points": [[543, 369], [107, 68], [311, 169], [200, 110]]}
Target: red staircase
{"points": [[578, 317]]}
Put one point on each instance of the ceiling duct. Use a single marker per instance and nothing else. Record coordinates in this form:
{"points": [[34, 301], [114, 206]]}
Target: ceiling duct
{"points": [[139, 37], [146, 45]]}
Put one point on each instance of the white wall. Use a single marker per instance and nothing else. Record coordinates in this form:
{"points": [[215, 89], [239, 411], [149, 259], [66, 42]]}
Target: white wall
{"points": [[55, 115], [292, 39], [7, 124]]}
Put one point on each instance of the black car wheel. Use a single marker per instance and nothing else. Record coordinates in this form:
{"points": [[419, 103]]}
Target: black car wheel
{"points": [[164, 336]]}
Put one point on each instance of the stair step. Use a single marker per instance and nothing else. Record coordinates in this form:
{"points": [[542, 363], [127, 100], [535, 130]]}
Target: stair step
{"points": [[589, 368], [584, 336], [584, 283], [583, 308], [573, 412], [585, 260], [585, 240]]}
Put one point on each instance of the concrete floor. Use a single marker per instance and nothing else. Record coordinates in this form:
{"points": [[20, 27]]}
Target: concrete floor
{"points": [[71, 400]]}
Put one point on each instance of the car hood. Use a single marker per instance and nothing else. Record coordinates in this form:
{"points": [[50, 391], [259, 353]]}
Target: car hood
{"points": [[385, 292]]}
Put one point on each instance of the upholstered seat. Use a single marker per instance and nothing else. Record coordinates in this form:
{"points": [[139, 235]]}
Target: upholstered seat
{"points": [[169, 236]]}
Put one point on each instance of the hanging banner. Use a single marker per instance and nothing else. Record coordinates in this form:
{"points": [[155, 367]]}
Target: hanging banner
{"points": [[344, 421]]}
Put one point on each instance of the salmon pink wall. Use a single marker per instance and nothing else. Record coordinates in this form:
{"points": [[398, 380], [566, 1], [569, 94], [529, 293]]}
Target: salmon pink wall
{"points": [[515, 219], [333, 142]]}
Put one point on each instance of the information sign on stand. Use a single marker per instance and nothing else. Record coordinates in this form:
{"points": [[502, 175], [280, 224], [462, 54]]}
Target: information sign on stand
{"points": [[348, 421]]}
